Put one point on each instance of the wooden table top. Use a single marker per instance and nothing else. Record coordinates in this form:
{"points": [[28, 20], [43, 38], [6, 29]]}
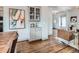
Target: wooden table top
{"points": [[6, 39]]}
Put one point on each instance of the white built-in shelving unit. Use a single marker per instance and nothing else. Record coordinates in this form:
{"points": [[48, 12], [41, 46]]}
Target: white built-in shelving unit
{"points": [[34, 19]]}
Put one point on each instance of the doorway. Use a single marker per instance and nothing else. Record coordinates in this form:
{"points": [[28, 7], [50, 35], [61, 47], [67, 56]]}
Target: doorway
{"points": [[1, 24]]}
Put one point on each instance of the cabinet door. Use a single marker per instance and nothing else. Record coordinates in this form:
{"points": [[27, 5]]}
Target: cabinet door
{"points": [[32, 33], [35, 34], [34, 14], [38, 33]]}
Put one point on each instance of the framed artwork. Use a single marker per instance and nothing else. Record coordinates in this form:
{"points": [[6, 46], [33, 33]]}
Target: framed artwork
{"points": [[16, 18], [73, 19]]}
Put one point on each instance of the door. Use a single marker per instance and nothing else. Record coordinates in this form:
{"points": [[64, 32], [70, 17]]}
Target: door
{"points": [[1, 24]]}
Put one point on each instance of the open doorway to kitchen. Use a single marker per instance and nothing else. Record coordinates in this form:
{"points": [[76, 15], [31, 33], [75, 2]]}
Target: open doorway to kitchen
{"points": [[1, 19], [1, 24]]}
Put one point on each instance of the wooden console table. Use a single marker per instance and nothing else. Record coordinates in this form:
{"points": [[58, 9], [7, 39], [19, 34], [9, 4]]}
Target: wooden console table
{"points": [[8, 42]]}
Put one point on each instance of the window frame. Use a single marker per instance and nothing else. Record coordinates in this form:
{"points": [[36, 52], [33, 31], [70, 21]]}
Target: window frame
{"points": [[61, 21]]}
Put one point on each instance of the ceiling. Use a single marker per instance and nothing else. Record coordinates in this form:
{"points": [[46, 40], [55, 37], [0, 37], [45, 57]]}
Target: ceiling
{"points": [[56, 9]]}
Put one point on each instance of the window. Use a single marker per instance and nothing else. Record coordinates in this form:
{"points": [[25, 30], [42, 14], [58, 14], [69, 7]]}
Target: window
{"points": [[62, 21]]}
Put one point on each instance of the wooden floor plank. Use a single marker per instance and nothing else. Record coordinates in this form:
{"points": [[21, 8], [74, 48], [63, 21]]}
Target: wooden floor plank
{"points": [[48, 46], [67, 50]]}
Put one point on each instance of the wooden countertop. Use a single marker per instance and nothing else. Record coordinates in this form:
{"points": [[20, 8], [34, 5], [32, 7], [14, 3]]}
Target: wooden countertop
{"points": [[6, 39]]}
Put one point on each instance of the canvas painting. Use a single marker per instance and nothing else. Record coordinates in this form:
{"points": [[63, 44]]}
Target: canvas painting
{"points": [[16, 18]]}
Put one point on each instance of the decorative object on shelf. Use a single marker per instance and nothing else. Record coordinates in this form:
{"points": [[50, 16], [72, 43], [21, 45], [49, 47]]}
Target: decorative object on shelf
{"points": [[16, 18], [33, 25], [73, 19], [71, 27]]}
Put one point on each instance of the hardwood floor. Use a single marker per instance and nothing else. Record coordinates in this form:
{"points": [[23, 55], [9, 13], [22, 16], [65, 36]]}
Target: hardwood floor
{"points": [[48, 46]]}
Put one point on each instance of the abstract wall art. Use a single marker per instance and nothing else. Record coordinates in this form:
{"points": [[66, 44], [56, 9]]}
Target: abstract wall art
{"points": [[16, 18], [73, 19]]}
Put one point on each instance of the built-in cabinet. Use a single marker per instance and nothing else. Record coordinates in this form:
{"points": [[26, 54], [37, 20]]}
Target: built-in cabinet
{"points": [[34, 19], [34, 14]]}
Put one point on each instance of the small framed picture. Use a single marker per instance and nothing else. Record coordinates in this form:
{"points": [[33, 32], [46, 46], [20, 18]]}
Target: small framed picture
{"points": [[73, 19]]}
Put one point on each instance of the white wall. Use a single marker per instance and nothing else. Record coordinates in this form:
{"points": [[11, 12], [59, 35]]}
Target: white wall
{"points": [[44, 22], [50, 21], [24, 34], [1, 11]]}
